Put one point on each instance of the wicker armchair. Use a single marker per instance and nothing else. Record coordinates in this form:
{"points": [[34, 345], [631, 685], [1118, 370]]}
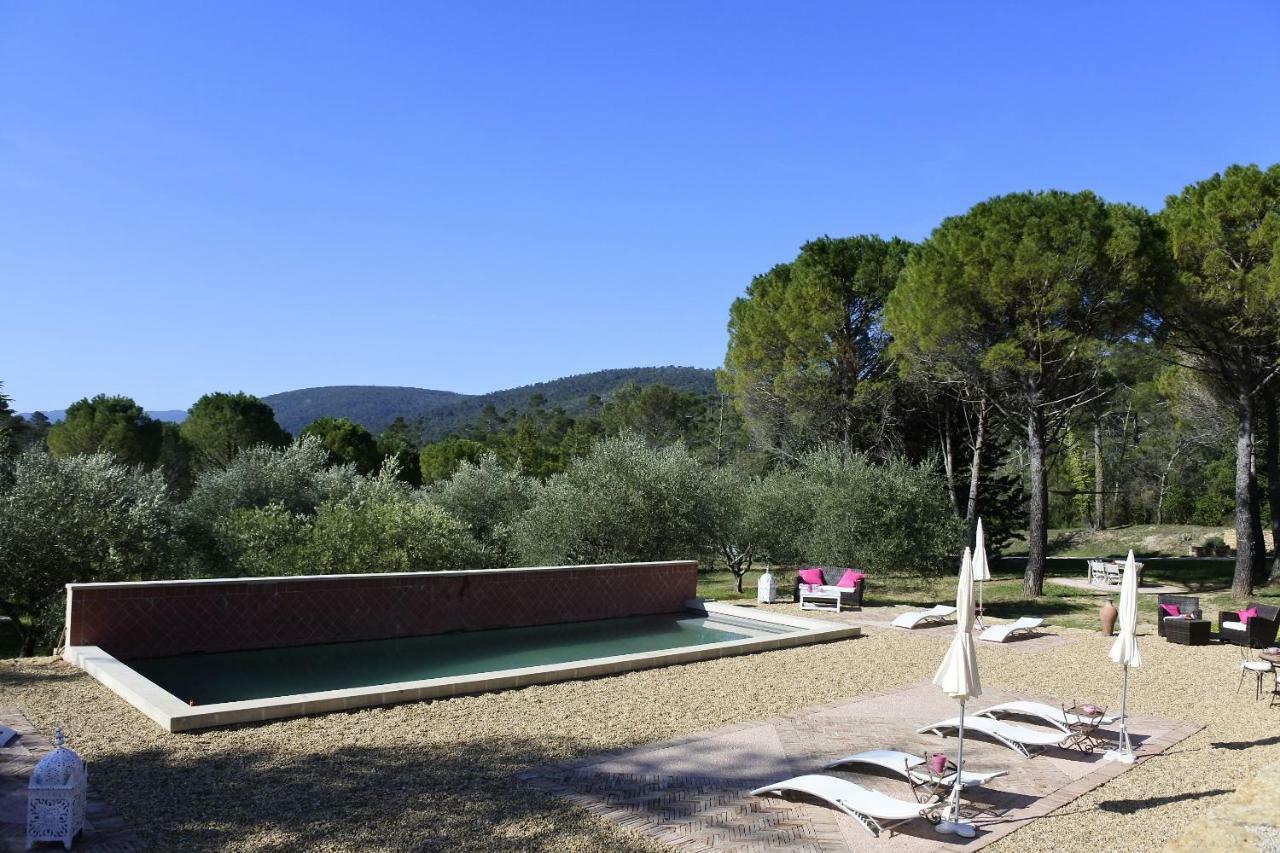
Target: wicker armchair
{"points": [[858, 590], [1185, 603], [1258, 633]]}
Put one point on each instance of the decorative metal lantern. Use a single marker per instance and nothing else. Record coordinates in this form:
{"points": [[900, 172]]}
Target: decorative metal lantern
{"points": [[56, 796], [766, 588]]}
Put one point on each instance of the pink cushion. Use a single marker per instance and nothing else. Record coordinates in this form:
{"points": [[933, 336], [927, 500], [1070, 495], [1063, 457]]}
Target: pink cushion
{"points": [[850, 578], [1171, 610], [1246, 615], [811, 576]]}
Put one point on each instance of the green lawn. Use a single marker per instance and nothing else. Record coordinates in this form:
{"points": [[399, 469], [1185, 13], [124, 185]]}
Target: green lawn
{"points": [[1002, 596]]}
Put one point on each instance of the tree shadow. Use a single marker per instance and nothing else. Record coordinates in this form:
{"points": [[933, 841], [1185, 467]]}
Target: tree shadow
{"points": [[1135, 806], [417, 796], [1245, 744], [13, 676]]}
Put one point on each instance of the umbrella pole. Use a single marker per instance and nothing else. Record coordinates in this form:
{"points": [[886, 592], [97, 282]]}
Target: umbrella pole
{"points": [[954, 809], [1124, 746], [982, 611]]}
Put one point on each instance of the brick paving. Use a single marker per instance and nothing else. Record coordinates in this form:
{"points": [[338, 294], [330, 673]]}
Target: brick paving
{"points": [[692, 793], [104, 832]]}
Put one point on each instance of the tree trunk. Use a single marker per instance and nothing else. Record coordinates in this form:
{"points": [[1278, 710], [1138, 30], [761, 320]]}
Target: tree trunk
{"points": [[949, 463], [1255, 525], [1242, 582], [1038, 510], [1099, 485], [975, 472], [1273, 480]]}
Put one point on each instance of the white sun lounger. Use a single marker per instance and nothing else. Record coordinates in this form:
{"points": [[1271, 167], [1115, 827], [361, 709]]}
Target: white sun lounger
{"points": [[876, 812], [1018, 738], [1003, 633], [1051, 715], [905, 764], [913, 619]]}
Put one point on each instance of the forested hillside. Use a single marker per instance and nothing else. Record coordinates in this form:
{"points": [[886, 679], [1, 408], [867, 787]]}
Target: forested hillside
{"points": [[435, 414]]}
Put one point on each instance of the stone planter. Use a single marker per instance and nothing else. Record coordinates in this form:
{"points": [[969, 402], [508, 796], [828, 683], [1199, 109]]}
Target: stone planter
{"points": [[1108, 615]]}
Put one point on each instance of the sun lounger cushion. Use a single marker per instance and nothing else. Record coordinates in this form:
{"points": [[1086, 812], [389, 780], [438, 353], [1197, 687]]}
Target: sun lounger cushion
{"points": [[1234, 626]]}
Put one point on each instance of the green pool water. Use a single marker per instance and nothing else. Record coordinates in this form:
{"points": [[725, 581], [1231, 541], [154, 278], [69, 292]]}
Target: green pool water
{"points": [[234, 676]]}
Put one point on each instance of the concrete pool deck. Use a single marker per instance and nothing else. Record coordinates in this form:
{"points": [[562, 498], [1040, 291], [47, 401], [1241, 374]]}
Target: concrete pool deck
{"points": [[692, 792]]}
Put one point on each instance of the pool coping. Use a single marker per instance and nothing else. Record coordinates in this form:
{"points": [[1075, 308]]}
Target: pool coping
{"points": [[174, 715]]}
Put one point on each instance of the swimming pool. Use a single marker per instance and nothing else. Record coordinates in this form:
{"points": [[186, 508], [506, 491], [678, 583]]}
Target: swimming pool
{"points": [[201, 652], [206, 679]]}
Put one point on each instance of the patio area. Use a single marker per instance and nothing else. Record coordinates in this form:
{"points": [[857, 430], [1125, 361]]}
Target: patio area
{"points": [[445, 775], [693, 792]]}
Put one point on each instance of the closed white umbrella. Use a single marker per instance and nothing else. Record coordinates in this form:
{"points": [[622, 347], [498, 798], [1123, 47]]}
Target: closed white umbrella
{"points": [[981, 570], [958, 678], [1124, 651]]}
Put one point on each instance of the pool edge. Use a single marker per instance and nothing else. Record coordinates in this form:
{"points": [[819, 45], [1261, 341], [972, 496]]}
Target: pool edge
{"points": [[173, 715]]}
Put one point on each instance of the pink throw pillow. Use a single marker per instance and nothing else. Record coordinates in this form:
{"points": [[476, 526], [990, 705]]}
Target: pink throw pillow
{"points": [[850, 579], [1171, 609], [1246, 615], [812, 577]]}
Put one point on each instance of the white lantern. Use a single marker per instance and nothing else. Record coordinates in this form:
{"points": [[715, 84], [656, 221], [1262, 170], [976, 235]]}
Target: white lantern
{"points": [[56, 796], [766, 588]]}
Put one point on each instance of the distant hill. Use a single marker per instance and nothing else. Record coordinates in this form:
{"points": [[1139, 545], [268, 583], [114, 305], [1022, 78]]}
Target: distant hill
{"points": [[437, 413], [173, 415]]}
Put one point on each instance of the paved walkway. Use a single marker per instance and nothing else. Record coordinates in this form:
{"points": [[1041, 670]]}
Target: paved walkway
{"points": [[104, 831], [693, 792]]}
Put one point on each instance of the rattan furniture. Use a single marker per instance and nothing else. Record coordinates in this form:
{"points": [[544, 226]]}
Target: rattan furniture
{"points": [[1187, 632], [1184, 603], [1258, 633]]}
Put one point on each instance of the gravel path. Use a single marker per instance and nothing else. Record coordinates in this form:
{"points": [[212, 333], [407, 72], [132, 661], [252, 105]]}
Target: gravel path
{"points": [[435, 776]]}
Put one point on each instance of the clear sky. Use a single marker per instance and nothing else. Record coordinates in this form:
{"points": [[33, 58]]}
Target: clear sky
{"points": [[469, 196]]}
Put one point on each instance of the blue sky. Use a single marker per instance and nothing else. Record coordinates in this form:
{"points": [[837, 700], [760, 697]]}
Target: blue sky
{"points": [[470, 196]]}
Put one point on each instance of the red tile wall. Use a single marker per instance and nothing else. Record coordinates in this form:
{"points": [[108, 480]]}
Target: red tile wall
{"points": [[152, 620]]}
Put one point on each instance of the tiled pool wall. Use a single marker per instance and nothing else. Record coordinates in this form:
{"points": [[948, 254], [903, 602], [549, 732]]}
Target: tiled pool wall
{"points": [[155, 618]]}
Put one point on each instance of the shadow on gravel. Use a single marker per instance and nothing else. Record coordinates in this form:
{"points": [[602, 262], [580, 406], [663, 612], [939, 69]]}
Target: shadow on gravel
{"points": [[1134, 806], [416, 796], [12, 676], [1245, 744]]}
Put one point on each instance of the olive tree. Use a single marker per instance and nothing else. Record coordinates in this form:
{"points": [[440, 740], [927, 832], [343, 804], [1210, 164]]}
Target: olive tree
{"points": [[623, 501], [489, 498], [82, 518]]}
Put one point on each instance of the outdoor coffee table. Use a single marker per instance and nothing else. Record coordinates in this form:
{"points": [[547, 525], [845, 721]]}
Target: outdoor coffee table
{"points": [[1187, 632], [826, 597]]}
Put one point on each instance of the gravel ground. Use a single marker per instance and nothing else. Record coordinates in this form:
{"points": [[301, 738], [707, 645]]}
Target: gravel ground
{"points": [[437, 775]]}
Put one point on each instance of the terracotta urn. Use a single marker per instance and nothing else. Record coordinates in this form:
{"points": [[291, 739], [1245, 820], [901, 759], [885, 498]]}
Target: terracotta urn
{"points": [[1108, 614]]}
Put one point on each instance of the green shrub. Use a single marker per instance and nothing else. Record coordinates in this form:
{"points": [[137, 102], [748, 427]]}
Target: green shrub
{"points": [[77, 519], [1212, 509], [489, 499], [384, 525], [882, 517], [623, 501]]}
